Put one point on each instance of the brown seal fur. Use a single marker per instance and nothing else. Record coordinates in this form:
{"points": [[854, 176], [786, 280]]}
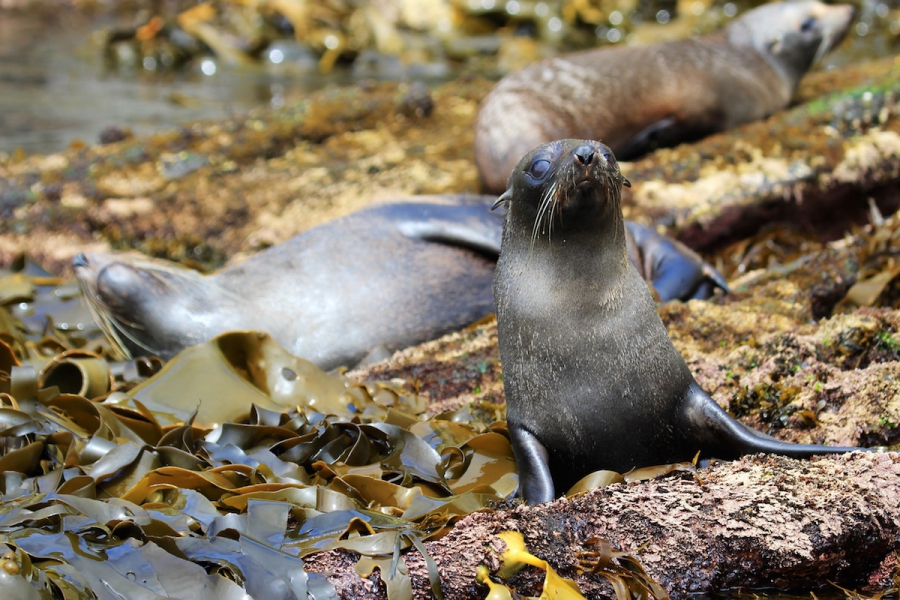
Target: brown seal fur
{"points": [[383, 278], [636, 98], [592, 379]]}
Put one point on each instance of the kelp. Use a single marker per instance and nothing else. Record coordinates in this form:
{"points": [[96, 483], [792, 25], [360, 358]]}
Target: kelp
{"points": [[95, 480], [97, 489], [876, 283], [214, 475], [517, 556], [621, 569]]}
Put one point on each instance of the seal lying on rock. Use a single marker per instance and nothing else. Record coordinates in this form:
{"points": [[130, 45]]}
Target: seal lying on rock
{"points": [[592, 379], [636, 98], [388, 276]]}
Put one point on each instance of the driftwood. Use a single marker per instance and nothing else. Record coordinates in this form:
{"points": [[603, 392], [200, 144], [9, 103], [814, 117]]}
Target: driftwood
{"points": [[760, 522]]}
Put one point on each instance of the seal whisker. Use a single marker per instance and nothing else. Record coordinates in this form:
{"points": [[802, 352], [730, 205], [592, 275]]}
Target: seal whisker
{"points": [[543, 205], [553, 203], [822, 50], [614, 196], [125, 328], [107, 321]]}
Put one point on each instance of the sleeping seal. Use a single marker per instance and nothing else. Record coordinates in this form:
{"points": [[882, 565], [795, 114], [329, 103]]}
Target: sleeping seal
{"points": [[636, 98], [385, 277], [592, 379]]}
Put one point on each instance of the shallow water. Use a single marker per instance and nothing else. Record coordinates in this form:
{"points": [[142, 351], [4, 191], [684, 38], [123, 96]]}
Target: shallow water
{"points": [[55, 87]]}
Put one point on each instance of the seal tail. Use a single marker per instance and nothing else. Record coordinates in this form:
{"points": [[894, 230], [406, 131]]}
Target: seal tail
{"points": [[721, 436]]}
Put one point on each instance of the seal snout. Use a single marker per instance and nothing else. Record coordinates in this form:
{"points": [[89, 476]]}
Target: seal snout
{"points": [[80, 260], [585, 165], [584, 154]]}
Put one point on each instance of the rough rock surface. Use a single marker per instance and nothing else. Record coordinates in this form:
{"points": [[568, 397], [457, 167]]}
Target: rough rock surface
{"points": [[761, 522]]}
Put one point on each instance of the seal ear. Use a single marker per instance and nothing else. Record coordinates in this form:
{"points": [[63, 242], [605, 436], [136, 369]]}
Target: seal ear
{"points": [[503, 199], [625, 181]]}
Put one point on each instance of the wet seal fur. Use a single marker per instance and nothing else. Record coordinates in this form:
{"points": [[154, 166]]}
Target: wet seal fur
{"points": [[637, 98], [380, 279], [592, 379]]}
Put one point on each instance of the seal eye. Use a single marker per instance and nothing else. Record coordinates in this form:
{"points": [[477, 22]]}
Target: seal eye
{"points": [[808, 24], [609, 158], [539, 168]]}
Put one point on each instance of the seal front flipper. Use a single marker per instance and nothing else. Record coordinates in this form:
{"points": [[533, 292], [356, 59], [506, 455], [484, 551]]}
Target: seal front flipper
{"points": [[670, 131], [716, 434], [532, 460], [470, 225]]}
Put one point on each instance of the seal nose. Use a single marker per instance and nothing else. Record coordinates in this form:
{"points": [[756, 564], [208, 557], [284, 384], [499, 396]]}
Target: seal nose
{"points": [[584, 153], [80, 260]]}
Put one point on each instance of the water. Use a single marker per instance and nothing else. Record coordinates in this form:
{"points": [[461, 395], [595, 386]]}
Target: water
{"points": [[56, 88]]}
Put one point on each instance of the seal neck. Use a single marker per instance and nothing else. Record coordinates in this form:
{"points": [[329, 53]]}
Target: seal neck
{"points": [[587, 244]]}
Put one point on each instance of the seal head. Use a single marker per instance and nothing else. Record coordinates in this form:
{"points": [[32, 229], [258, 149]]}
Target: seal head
{"points": [[154, 307], [592, 379], [793, 36], [560, 179]]}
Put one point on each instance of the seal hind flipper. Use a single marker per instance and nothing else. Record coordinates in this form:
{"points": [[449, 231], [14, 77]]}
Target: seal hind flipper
{"points": [[676, 271], [703, 291], [719, 435], [717, 278], [533, 463]]}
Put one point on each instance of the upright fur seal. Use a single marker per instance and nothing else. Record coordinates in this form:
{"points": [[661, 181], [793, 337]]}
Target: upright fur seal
{"points": [[592, 379], [636, 98], [387, 277]]}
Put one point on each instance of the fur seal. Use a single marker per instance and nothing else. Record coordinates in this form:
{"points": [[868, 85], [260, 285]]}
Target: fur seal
{"points": [[385, 277], [391, 275], [592, 379], [637, 98]]}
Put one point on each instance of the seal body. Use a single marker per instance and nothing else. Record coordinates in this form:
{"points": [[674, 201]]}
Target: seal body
{"points": [[592, 379], [388, 276], [638, 98], [383, 278]]}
